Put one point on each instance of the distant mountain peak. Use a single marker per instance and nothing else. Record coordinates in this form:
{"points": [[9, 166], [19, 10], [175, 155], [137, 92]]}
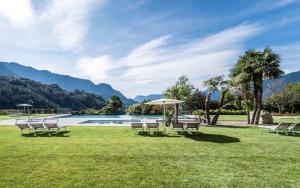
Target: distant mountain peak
{"points": [[141, 98]]}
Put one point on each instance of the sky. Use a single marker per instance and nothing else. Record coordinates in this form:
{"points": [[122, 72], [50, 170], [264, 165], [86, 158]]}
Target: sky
{"points": [[141, 47]]}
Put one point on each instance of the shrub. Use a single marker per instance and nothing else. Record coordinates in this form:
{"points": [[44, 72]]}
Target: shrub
{"points": [[90, 111], [223, 112]]}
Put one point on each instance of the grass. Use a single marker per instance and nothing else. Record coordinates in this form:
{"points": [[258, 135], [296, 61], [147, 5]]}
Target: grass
{"points": [[221, 118], [233, 118], [244, 117], [116, 157], [6, 117]]}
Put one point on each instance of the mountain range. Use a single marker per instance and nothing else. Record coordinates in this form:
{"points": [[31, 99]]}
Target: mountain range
{"points": [[70, 83], [66, 82], [141, 98], [270, 87], [15, 91]]}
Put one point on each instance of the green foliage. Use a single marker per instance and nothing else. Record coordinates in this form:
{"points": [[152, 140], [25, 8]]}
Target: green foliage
{"points": [[14, 91], [181, 90], [90, 111], [223, 112], [255, 66], [199, 112], [144, 109], [213, 83], [288, 100], [115, 103], [114, 106], [195, 101]]}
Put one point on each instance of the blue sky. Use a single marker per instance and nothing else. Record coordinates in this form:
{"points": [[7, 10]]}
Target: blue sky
{"points": [[143, 46]]}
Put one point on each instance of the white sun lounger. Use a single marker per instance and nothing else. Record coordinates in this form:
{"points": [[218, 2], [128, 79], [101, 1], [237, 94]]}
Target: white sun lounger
{"points": [[136, 124], [296, 127], [152, 125], [36, 124], [52, 124], [281, 127], [22, 125]]}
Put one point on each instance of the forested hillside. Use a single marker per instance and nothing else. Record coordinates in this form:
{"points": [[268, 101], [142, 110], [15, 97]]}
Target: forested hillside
{"points": [[66, 82], [14, 91]]}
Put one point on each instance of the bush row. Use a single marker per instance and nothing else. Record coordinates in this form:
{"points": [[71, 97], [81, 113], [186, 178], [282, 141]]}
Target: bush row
{"points": [[223, 112]]}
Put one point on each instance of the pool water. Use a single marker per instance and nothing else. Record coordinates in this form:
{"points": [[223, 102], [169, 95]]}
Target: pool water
{"points": [[107, 122], [121, 120], [116, 116]]}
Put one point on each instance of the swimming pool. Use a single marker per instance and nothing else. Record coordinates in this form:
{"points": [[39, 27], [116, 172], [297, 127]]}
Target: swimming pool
{"points": [[107, 120], [103, 120], [115, 116]]}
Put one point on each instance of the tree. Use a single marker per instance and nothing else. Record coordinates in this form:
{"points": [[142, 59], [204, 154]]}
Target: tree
{"points": [[115, 103], [195, 101], [14, 91], [180, 91], [287, 100], [241, 82], [224, 86], [255, 66], [212, 85]]}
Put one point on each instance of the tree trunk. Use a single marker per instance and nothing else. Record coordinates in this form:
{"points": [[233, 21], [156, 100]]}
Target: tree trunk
{"points": [[247, 107], [207, 107], [176, 112], [216, 116], [255, 102], [259, 100]]}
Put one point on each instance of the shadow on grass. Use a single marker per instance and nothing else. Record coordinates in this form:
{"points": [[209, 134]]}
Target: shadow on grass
{"points": [[43, 134], [231, 126], [156, 134], [216, 138], [296, 134]]}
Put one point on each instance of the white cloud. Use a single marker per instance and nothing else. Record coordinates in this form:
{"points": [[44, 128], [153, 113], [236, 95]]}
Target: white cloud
{"points": [[68, 19], [290, 56], [19, 12], [62, 25], [156, 65]]}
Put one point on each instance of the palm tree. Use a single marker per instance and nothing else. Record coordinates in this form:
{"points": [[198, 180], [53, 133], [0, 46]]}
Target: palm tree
{"points": [[240, 80], [268, 67], [180, 91], [224, 87], [212, 85], [255, 66], [174, 93]]}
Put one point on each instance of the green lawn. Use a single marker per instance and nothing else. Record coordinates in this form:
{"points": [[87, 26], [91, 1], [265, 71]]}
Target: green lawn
{"points": [[233, 118], [5, 117], [244, 117], [116, 157]]}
